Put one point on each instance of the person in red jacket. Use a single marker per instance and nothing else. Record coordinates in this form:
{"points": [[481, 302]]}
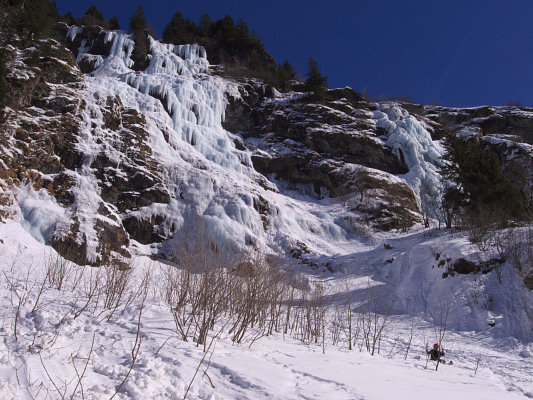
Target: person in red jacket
{"points": [[435, 353]]}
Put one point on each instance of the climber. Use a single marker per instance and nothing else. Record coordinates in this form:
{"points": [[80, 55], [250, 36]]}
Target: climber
{"points": [[435, 353]]}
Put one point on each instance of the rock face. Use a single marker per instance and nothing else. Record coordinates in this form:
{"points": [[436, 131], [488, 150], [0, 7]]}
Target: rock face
{"points": [[130, 158], [340, 128], [40, 145], [92, 38], [506, 131], [40, 120], [316, 145], [486, 120], [528, 281], [91, 152]]}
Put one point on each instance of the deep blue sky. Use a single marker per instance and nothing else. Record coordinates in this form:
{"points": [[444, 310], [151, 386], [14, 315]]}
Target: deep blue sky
{"points": [[449, 52]]}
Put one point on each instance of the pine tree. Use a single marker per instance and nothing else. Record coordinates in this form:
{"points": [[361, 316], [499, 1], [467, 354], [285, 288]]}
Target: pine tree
{"points": [[315, 82], [38, 17], [479, 177], [242, 32], [94, 17], [228, 32], [94, 12], [68, 19], [255, 62], [114, 25], [205, 25], [180, 30], [289, 70], [138, 21], [225, 41], [139, 27], [284, 73]]}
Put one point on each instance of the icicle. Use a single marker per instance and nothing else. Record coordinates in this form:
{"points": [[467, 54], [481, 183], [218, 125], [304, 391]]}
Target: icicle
{"points": [[73, 32]]}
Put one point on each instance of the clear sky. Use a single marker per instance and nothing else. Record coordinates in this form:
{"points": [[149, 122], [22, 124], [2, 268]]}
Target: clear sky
{"points": [[449, 52]]}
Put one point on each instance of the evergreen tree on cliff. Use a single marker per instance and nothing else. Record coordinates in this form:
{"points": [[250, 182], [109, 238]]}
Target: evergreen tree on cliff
{"points": [[315, 82], [113, 23], [37, 18], [482, 184], [139, 28], [138, 21], [94, 17], [181, 31]]}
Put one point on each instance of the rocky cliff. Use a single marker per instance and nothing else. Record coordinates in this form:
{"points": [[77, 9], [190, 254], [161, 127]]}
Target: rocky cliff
{"points": [[102, 160]]}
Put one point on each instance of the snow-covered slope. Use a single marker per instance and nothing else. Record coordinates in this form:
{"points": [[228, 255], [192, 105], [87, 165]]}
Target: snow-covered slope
{"points": [[57, 342]]}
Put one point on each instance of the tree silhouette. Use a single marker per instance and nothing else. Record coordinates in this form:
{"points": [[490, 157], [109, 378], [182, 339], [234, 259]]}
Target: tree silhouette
{"points": [[479, 177], [139, 27], [315, 82], [38, 17], [113, 23], [138, 21], [94, 17]]}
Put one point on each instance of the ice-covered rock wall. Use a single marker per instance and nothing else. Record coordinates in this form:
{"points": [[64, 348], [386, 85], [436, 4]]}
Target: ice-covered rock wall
{"points": [[410, 140], [206, 169], [183, 106], [177, 76], [208, 172]]}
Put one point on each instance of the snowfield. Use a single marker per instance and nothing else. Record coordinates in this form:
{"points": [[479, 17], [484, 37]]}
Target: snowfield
{"points": [[59, 354]]}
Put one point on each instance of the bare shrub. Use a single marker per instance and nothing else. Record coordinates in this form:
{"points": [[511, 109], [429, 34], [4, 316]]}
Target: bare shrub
{"points": [[519, 249], [212, 280], [374, 317], [480, 225], [61, 387], [410, 340], [116, 287], [198, 289], [20, 286], [429, 203], [514, 244], [310, 319], [91, 283], [259, 293], [336, 323], [177, 285], [58, 271], [478, 359], [134, 353]]}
